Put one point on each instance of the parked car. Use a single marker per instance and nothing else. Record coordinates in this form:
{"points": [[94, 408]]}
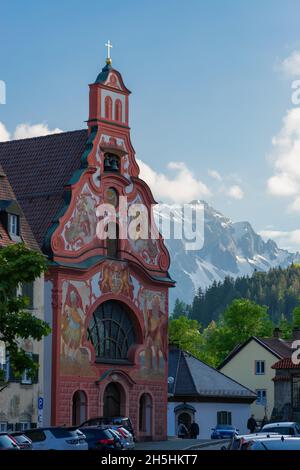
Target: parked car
{"points": [[126, 435], [115, 421], [56, 438], [23, 441], [241, 442], [99, 438], [223, 431], [275, 443], [7, 442], [285, 428]]}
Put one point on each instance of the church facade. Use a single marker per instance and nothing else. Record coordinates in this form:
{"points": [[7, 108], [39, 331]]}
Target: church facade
{"points": [[106, 296]]}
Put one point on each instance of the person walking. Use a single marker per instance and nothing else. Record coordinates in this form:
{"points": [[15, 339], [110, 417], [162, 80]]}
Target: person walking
{"points": [[194, 430], [182, 431], [251, 424]]}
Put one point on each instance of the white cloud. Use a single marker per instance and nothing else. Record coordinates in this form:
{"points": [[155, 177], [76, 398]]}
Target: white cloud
{"points": [[285, 156], [25, 131], [290, 240], [215, 175], [183, 187], [291, 65], [235, 192], [4, 134]]}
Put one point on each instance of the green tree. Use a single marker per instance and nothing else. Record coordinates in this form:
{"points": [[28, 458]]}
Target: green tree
{"points": [[242, 319], [185, 334], [296, 317], [180, 309], [285, 327], [19, 265]]}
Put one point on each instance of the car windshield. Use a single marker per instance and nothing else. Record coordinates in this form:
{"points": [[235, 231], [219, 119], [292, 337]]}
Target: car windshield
{"points": [[225, 426], [6, 442], [286, 430], [61, 433], [21, 439]]}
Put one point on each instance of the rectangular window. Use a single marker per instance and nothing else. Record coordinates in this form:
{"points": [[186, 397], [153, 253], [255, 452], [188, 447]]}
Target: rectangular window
{"points": [[261, 397], [259, 367], [26, 379], [224, 417], [296, 393], [3, 426], [13, 224], [28, 291], [25, 425]]}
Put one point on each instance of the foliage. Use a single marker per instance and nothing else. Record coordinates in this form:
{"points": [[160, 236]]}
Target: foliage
{"points": [[181, 309], [277, 289], [185, 334], [241, 320], [19, 265]]}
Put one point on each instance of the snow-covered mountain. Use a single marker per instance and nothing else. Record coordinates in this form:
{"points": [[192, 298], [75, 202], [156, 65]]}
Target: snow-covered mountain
{"points": [[228, 249]]}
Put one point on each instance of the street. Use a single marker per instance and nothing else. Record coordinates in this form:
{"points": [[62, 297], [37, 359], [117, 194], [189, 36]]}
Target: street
{"points": [[182, 444]]}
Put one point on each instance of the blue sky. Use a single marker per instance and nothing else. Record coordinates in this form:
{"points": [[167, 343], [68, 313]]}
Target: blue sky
{"points": [[210, 86]]}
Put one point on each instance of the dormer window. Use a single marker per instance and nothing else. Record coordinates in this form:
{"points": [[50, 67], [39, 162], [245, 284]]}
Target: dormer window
{"points": [[111, 162], [13, 225]]}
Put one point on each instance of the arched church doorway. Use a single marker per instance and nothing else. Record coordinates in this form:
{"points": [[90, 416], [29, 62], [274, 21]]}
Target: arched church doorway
{"points": [[145, 414], [79, 408], [184, 418], [113, 400]]}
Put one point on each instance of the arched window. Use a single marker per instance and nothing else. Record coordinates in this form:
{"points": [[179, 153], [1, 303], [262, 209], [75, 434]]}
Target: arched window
{"points": [[118, 111], [112, 241], [111, 331], [108, 107], [79, 407], [145, 414]]}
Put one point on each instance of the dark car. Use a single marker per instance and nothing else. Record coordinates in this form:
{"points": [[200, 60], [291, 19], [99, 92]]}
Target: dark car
{"points": [[99, 438], [115, 421], [23, 441], [7, 442], [223, 431]]}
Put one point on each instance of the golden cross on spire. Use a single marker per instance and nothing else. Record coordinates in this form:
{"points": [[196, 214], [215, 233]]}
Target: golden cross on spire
{"points": [[109, 46]]}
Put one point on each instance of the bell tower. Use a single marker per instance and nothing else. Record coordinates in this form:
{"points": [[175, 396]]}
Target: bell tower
{"points": [[109, 97]]}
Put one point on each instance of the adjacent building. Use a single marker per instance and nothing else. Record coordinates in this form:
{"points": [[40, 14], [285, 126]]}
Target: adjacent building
{"points": [[287, 386], [200, 393], [251, 364], [19, 396]]}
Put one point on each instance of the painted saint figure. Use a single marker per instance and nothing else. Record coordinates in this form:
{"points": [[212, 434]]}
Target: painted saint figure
{"points": [[72, 323]]}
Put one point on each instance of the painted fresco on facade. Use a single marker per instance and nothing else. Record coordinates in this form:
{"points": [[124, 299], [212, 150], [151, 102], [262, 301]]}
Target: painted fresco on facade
{"points": [[79, 296], [116, 279], [146, 248], [74, 358], [153, 358], [81, 227]]}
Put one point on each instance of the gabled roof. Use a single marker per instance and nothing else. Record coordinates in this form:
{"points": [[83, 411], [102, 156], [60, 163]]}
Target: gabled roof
{"points": [[276, 346], [285, 363], [7, 199], [196, 380], [38, 168]]}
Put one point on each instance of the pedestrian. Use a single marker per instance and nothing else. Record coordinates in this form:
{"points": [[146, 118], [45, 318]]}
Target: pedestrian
{"points": [[251, 424], [182, 431], [194, 430]]}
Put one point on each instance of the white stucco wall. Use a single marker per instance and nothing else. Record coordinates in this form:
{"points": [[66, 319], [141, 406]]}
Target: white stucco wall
{"points": [[206, 416], [47, 354]]}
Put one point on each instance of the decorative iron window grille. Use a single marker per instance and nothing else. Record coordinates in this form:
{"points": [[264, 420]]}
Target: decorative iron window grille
{"points": [[111, 331]]}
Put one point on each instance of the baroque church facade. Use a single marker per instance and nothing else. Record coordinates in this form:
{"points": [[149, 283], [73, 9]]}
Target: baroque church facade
{"points": [[105, 298]]}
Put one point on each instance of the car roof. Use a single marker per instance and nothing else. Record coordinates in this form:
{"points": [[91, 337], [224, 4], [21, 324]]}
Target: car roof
{"points": [[257, 435], [284, 423]]}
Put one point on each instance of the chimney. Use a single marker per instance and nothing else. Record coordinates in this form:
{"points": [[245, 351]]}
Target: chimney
{"points": [[277, 333], [296, 333]]}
